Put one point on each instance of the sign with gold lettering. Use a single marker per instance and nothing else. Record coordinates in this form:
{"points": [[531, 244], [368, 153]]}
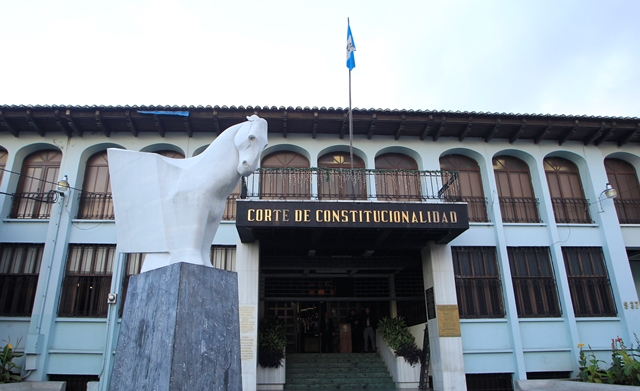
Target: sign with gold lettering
{"points": [[448, 218]]}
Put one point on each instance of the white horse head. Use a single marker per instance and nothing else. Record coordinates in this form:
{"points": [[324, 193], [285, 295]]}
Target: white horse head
{"points": [[250, 141]]}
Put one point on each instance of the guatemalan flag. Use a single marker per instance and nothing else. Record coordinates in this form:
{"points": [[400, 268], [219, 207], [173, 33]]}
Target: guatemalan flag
{"points": [[351, 47]]}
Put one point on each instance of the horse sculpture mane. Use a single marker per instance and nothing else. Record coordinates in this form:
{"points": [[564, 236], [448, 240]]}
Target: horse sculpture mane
{"points": [[170, 209]]}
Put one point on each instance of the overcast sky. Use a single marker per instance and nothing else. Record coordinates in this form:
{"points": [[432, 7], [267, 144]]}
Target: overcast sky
{"points": [[537, 56]]}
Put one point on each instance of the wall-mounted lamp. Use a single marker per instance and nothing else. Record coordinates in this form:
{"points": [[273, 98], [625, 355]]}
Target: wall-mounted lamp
{"points": [[609, 192], [63, 185]]}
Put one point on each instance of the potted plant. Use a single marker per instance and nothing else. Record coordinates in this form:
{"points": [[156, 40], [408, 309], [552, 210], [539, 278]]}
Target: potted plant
{"points": [[399, 352], [395, 333], [272, 341]]}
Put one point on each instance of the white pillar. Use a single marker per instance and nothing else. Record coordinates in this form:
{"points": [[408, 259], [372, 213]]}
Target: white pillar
{"points": [[447, 361], [248, 266]]}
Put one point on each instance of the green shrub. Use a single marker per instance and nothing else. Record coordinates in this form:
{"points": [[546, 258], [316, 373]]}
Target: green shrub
{"points": [[624, 369], [7, 374], [395, 333], [272, 341]]}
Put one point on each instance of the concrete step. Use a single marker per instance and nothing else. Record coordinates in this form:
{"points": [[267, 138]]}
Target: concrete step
{"points": [[337, 371]]}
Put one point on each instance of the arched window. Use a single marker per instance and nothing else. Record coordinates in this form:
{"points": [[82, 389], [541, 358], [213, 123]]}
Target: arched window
{"points": [[623, 177], [470, 184], [515, 192], [3, 162], [286, 175], [337, 181], [95, 201], [398, 178], [40, 172], [567, 196]]}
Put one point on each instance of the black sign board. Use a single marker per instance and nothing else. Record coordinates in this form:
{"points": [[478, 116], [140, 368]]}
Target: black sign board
{"points": [[444, 220]]}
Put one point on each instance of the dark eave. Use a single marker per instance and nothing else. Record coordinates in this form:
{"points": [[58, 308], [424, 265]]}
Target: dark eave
{"points": [[425, 125]]}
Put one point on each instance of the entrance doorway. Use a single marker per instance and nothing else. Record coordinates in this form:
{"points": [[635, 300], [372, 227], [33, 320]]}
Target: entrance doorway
{"points": [[300, 291], [302, 320]]}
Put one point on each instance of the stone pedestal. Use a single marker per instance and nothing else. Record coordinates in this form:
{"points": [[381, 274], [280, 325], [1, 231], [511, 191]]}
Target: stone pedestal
{"points": [[180, 331]]}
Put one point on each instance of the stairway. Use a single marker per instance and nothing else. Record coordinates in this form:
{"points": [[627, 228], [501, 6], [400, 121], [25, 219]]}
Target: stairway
{"points": [[337, 371]]}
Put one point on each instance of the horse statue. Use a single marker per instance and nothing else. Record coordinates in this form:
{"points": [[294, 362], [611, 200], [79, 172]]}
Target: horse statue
{"points": [[170, 209]]}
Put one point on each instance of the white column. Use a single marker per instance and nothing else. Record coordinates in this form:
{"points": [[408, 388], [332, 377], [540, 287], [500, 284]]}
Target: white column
{"points": [[603, 211], [247, 266], [447, 361]]}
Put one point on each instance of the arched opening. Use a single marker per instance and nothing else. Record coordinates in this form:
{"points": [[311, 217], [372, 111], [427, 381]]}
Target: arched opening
{"points": [[38, 178], [336, 180], [286, 175], [515, 192], [171, 154], [471, 189], [96, 202], [397, 178], [567, 195], [623, 177], [3, 162]]}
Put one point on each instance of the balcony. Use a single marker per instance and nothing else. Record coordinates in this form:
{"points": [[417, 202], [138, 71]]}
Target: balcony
{"points": [[571, 210], [628, 211], [519, 210], [32, 205], [325, 184], [95, 206], [356, 184]]}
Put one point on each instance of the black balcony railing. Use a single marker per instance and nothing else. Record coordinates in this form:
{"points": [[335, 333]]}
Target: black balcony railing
{"points": [[32, 205], [519, 210], [96, 206], [628, 211], [477, 208], [571, 210], [356, 184], [230, 207]]}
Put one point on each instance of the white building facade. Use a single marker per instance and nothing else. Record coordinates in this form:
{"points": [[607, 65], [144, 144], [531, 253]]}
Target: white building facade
{"points": [[550, 258]]}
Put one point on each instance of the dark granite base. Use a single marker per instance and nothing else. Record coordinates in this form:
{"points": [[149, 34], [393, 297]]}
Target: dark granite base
{"points": [[180, 331]]}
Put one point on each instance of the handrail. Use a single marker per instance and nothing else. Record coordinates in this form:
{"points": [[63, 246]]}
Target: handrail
{"points": [[358, 184]]}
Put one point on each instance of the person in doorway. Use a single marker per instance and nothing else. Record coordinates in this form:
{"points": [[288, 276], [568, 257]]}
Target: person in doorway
{"points": [[326, 333], [356, 331], [369, 323]]}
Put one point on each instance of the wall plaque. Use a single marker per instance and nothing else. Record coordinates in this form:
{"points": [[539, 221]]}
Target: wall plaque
{"points": [[448, 320]]}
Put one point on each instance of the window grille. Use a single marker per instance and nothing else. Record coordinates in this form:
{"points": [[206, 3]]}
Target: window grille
{"points": [[75, 382], [478, 285], [588, 282], [133, 266], [87, 280], [534, 284], [19, 270], [548, 375], [230, 209], [489, 381], [224, 257]]}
